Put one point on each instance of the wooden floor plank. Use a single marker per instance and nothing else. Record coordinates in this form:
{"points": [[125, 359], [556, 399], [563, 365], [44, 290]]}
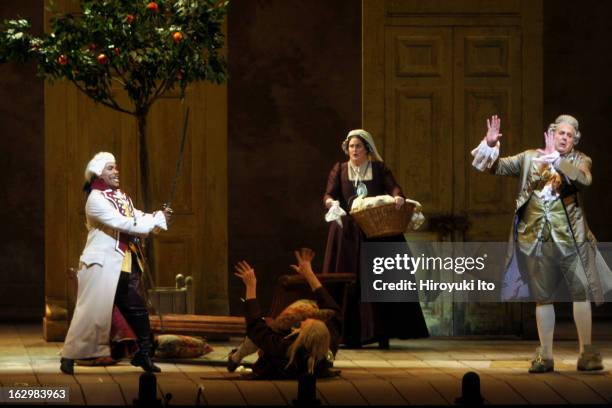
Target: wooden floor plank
{"points": [[182, 389], [340, 392], [421, 372], [260, 393], [127, 378], [498, 392], [535, 391], [221, 392], [288, 389], [63, 380], [599, 381], [418, 392], [379, 392], [106, 394], [445, 384], [574, 391]]}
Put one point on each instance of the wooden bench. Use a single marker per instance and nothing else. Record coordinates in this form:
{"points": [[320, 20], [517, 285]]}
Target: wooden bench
{"points": [[289, 288]]}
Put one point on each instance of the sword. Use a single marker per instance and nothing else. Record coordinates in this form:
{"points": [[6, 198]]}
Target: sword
{"points": [[179, 162], [167, 206]]}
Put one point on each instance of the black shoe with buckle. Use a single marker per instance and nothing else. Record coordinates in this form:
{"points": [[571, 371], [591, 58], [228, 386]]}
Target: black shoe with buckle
{"points": [[540, 364], [67, 365], [590, 359]]}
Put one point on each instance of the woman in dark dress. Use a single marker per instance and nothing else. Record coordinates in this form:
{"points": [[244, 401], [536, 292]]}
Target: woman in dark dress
{"points": [[365, 174]]}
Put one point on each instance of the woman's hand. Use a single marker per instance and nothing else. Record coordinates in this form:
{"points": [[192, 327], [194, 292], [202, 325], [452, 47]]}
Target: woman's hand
{"points": [[304, 267], [245, 272], [330, 201], [304, 258], [493, 126], [399, 201]]}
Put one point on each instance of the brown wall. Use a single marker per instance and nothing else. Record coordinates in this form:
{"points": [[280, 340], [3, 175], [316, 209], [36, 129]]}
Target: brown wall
{"points": [[294, 91], [578, 81], [22, 190]]}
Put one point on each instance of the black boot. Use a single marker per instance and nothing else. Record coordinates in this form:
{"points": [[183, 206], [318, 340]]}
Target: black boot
{"points": [[142, 357], [143, 360], [67, 365], [129, 300]]}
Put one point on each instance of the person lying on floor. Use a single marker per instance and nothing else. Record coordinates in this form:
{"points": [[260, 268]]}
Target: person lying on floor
{"points": [[285, 351]]}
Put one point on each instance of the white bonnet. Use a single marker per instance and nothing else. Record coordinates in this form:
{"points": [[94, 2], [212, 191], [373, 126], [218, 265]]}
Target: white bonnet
{"points": [[367, 137]]}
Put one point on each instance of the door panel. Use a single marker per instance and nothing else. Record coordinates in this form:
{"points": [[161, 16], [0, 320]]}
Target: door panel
{"points": [[418, 113], [433, 72], [487, 81]]}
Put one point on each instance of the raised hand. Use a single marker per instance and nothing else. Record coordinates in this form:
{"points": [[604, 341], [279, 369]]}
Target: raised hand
{"points": [[304, 258], [245, 272], [493, 126], [549, 143]]}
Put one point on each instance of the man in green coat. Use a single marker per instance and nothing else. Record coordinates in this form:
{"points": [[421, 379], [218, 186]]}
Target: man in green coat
{"points": [[551, 246]]}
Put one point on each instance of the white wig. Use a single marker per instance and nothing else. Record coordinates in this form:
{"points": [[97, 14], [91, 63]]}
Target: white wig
{"points": [[96, 165], [568, 120]]}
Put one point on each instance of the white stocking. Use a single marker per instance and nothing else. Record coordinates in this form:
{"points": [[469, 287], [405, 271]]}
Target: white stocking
{"points": [[583, 320], [545, 318]]}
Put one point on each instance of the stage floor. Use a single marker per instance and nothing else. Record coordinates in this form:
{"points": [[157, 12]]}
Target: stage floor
{"points": [[416, 372]]}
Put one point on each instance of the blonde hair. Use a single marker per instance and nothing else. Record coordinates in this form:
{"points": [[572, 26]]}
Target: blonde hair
{"points": [[315, 338]]}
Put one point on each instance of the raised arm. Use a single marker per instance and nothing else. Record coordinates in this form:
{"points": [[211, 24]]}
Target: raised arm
{"points": [[102, 211], [486, 154], [247, 274], [304, 267], [257, 330], [324, 300]]}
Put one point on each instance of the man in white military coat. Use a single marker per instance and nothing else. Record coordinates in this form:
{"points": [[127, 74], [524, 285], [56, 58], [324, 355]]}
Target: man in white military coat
{"points": [[110, 269]]}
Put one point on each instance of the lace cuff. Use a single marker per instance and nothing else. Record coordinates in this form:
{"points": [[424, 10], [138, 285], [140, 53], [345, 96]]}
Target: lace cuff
{"points": [[485, 156]]}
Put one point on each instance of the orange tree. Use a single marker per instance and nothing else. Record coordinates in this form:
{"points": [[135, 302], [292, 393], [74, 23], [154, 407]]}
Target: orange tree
{"points": [[147, 47]]}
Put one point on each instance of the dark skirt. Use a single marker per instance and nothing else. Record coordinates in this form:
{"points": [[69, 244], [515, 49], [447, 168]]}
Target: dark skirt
{"points": [[371, 322]]}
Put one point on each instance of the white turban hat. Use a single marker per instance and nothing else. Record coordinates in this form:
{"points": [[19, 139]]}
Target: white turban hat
{"points": [[369, 140], [96, 165]]}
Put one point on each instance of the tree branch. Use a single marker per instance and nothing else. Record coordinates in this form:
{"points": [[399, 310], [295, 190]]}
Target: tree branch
{"points": [[103, 102], [107, 88], [163, 87], [121, 75]]}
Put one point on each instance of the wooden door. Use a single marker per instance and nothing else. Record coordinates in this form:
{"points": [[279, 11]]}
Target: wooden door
{"points": [[418, 113], [196, 243], [433, 72]]}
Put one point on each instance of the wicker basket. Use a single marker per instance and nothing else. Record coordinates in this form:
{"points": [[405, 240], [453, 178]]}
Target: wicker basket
{"points": [[384, 220]]}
